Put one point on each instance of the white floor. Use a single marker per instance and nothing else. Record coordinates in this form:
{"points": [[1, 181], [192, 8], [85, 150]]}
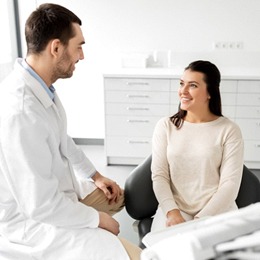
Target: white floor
{"points": [[118, 173]]}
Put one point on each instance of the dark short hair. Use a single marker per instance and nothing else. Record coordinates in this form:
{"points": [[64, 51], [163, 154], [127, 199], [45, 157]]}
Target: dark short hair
{"points": [[212, 79], [48, 22]]}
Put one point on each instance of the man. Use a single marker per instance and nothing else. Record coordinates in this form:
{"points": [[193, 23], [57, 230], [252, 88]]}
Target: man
{"points": [[53, 202]]}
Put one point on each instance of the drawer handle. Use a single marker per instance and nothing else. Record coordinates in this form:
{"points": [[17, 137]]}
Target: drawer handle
{"points": [[137, 83], [257, 145], [137, 142], [137, 96], [138, 108], [137, 121], [258, 123]]}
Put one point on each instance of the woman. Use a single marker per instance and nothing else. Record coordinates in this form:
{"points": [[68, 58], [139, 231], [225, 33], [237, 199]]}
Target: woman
{"points": [[197, 153]]}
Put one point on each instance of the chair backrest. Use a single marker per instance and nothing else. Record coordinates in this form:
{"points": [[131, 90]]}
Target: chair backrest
{"points": [[140, 201]]}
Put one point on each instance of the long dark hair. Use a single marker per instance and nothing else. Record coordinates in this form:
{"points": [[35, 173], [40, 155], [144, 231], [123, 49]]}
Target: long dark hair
{"points": [[212, 79], [47, 22]]}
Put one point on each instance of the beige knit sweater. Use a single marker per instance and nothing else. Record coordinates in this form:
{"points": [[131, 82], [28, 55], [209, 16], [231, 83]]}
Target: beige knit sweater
{"points": [[197, 168]]}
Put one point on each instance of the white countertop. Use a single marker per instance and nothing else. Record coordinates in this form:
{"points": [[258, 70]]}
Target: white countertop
{"points": [[228, 73]]}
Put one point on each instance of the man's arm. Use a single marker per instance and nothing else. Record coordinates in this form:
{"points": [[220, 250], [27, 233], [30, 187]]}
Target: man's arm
{"points": [[110, 188]]}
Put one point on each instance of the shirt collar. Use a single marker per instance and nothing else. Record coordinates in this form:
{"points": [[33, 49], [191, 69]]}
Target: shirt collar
{"points": [[50, 90]]}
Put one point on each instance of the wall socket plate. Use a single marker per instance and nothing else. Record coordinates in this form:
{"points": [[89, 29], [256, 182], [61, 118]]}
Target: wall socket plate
{"points": [[228, 45]]}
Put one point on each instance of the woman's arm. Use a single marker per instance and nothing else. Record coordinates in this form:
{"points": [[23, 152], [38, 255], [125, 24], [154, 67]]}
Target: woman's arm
{"points": [[160, 169], [230, 175]]}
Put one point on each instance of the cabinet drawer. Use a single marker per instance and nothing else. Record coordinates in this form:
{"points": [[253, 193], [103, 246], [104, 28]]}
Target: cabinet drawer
{"points": [[227, 92], [228, 86], [228, 108], [248, 112], [174, 109], [252, 151], [249, 86], [248, 99], [229, 111], [137, 109], [137, 84], [130, 125], [137, 97], [128, 147], [174, 98], [250, 128], [228, 99], [175, 85]]}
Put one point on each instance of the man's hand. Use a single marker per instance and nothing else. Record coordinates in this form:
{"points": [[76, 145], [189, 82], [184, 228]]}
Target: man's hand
{"points": [[174, 217], [108, 223], [110, 188]]}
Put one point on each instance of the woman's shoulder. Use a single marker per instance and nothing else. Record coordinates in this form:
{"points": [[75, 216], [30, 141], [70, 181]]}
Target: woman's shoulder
{"points": [[163, 125], [227, 121], [164, 121], [230, 125]]}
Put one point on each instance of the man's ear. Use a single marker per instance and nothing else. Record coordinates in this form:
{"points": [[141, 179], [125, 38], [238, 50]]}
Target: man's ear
{"points": [[55, 47]]}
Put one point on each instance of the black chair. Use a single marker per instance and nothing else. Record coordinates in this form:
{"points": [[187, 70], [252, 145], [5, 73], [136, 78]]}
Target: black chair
{"points": [[141, 203]]}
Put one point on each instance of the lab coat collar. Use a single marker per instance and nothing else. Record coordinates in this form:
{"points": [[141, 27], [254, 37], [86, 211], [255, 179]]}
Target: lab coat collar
{"points": [[34, 84]]}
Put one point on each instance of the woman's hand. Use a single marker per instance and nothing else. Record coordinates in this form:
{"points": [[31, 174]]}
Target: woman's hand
{"points": [[110, 188], [174, 217]]}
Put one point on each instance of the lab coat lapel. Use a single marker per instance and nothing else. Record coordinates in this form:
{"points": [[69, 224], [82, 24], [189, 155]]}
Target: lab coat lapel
{"points": [[62, 124]]}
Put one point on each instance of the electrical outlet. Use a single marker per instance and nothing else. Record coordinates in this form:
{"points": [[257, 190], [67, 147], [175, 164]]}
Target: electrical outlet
{"points": [[228, 45]]}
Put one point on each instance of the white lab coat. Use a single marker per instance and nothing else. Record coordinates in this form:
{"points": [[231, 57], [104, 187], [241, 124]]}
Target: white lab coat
{"points": [[40, 216]]}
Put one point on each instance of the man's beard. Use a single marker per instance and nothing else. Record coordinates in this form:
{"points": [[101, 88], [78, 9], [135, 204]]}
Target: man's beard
{"points": [[64, 68]]}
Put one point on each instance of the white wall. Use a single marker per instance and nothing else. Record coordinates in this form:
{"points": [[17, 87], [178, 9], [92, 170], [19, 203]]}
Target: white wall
{"points": [[8, 46], [188, 28]]}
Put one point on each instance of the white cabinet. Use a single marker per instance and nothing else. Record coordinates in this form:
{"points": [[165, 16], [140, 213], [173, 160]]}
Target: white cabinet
{"points": [[132, 108], [174, 98], [248, 118], [228, 92], [134, 104]]}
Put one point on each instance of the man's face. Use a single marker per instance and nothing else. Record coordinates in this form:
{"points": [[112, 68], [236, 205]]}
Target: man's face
{"points": [[71, 54]]}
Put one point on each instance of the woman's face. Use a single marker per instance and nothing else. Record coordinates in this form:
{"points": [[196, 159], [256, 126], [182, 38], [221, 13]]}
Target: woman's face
{"points": [[193, 92]]}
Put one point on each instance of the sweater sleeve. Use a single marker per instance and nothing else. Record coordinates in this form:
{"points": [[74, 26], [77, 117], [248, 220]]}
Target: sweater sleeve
{"points": [[230, 175], [160, 168]]}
